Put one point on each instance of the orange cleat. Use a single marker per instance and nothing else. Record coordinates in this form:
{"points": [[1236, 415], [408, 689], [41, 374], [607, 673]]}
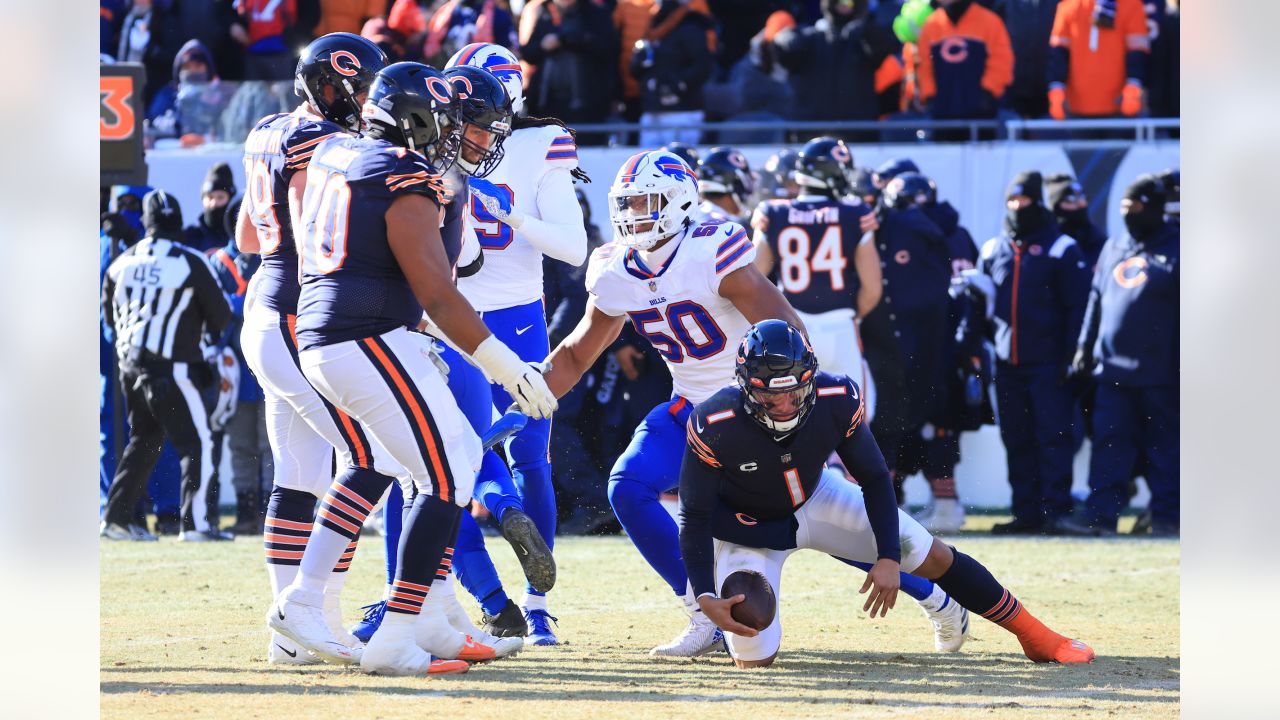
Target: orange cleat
{"points": [[448, 667], [1072, 652], [473, 651]]}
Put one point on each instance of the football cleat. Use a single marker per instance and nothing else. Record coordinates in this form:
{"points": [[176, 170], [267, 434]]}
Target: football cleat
{"points": [[283, 651], [950, 620], [392, 650], [115, 531], [502, 646], [508, 623], [142, 534], [1071, 652], [433, 633], [333, 618], [204, 536], [540, 632], [440, 666], [699, 637], [299, 616], [364, 629], [531, 550], [946, 516]]}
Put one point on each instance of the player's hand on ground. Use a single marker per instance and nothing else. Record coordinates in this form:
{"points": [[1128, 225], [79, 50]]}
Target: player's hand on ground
{"points": [[720, 612], [883, 581]]}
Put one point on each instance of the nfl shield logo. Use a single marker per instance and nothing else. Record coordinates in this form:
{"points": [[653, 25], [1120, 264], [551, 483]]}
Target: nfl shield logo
{"points": [[786, 458], [653, 286]]}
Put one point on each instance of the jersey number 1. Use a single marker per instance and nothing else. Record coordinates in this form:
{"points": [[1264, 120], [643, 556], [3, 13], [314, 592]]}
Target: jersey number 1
{"points": [[325, 214], [797, 266]]}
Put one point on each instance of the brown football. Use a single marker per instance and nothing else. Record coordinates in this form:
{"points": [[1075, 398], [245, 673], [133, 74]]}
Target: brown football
{"points": [[760, 605]]}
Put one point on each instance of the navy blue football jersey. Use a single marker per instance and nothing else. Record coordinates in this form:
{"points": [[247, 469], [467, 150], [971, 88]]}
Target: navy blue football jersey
{"points": [[813, 242], [352, 285], [277, 147]]}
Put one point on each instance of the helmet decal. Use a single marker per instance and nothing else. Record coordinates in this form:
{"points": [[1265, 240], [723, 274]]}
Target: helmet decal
{"points": [[344, 63]]}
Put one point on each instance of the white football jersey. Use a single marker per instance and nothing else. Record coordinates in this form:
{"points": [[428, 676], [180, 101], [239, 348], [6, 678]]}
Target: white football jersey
{"points": [[678, 306], [512, 270]]}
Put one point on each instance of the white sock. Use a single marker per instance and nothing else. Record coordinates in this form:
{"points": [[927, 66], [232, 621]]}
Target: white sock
{"points": [[534, 602], [281, 577], [323, 551]]}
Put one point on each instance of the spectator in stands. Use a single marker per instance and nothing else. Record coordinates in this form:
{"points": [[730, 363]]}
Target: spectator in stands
{"points": [[135, 34], [1029, 23], [209, 232], [263, 28], [832, 65], [142, 40], [1070, 208], [252, 466], [189, 106], [1040, 283], [671, 65], [252, 102], [1098, 58], [110, 15], [392, 42], [1165, 72], [571, 43], [965, 61], [458, 23], [631, 20], [738, 23], [347, 15], [210, 23], [756, 88]]}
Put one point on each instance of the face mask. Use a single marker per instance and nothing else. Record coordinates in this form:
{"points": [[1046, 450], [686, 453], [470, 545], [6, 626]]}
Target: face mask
{"points": [[1142, 225], [213, 217], [134, 217], [192, 77], [1074, 218], [1025, 220]]}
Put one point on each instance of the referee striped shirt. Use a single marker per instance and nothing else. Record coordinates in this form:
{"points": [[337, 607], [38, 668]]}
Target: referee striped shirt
{"points": [[161, 296]]}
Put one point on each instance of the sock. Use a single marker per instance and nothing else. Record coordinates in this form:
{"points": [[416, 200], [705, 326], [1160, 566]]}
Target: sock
{"points": [[338, 578], [393, 519], [342, 513], [475, 569], [285, 534], [533, 601], [429, 528], [917, 587], [943, 488], [495, 488], [650, 528], [973, 586]]}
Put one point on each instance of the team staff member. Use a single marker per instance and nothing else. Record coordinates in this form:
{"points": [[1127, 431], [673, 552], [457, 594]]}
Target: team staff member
{"points": [[1070, 208], [160, 296], [1041, 282], [1098, 58], [966, 61], [1129, 343]]}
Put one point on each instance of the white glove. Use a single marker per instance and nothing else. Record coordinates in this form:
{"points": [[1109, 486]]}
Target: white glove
{"points": [[433, 348], [522, 380]]}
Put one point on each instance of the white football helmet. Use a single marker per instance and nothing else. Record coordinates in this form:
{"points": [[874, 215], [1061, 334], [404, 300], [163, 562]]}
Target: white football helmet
{"points": [[501, 63], [652, 198]]}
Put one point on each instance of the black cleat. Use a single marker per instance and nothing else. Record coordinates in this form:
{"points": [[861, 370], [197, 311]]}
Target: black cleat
{"points": [[1075, 526], [508, 623], [532, 551], [1018, 526]]}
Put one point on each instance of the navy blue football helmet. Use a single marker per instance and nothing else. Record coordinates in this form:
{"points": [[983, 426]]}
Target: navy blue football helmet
{"points": [[333, 71], [778, 374], [908, 190], [484, 105], [412, 105], [725, 170], [826, 165]]}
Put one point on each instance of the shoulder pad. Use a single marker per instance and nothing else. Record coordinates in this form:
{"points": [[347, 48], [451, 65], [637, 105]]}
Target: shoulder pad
{"points": [[301, 143], [562, 149]]}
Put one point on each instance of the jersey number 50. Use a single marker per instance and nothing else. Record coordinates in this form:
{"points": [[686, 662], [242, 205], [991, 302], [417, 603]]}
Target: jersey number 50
{"points": [[492, 233], [684, 343], [325, 213]]}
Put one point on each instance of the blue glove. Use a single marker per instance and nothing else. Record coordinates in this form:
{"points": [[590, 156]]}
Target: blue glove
{"points": [[497, 203]]}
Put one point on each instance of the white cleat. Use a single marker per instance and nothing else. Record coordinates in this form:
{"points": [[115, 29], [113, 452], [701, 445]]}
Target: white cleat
{"points": [[433, 633], [700, 637], [945, 517], [950, 621], [392, 650], [283, 651], [457, 617], [299, 615], [333, 618]]}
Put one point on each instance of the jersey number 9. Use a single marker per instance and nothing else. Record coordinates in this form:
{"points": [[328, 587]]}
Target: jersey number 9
{"points": [[492, 233], [684, 343], [325, 210]]}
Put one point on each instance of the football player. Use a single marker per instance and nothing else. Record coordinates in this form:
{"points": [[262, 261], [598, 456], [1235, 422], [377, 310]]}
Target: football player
{"points": [[819, 247], [778, 179], [753, 491], [522, 210], [726, 185], [692, 291], [332, 77], [372, 260]]}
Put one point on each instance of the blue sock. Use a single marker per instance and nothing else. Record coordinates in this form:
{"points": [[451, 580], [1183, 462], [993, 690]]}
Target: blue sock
{"points": [[393, 519], [651, 529], [474, 568], [495, 488], [913, 585]]}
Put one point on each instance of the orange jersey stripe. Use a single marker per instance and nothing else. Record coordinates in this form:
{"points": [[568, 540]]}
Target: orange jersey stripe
{"points": [[362, 454]]}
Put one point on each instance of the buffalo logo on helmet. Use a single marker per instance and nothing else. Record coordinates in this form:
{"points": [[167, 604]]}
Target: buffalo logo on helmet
{"points": [[501, 69], [345, 63]]}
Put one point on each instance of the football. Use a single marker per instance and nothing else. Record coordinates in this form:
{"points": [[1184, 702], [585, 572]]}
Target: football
{"points": [[760, 605]]}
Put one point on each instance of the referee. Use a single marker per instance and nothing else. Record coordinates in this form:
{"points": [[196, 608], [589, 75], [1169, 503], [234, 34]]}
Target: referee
{"points": [[161, 297]]}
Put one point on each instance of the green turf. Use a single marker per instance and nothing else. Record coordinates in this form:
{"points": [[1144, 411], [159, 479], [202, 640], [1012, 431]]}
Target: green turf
{"points": [[183, 636]]}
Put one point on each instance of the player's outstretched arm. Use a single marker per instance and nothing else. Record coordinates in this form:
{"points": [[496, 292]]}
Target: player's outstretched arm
{"points": [[757, 298], [866, 261], [861, 456], [580, 349], [413, 233]]}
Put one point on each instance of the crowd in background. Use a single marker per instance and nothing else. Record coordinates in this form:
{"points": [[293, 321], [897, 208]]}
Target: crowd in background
{"points": [[1025, 313], [667, 64]]}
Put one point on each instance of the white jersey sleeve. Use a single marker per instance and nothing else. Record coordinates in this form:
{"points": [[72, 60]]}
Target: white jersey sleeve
{"points": [[604, 262], [734, 249]]}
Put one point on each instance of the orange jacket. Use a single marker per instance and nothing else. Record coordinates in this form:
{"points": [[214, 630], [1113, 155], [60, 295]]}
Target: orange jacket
{"points": [[347, 15], [631, 19], [963, 59], [1096, 73]]}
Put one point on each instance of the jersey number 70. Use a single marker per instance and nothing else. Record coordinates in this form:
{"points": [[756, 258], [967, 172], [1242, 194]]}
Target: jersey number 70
{"points": [[325, 214]]}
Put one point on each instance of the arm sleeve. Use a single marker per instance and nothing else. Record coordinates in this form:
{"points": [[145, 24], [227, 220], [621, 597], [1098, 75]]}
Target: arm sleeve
{"points": [[861, 457], [213, 302], [999, 71], [1058, 63], [698, 493], [560, 233]]}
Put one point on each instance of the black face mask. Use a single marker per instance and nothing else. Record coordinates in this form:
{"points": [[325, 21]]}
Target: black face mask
{"points": [[1143, 225], [214, 217], [1026, 220], [1073, 218]]}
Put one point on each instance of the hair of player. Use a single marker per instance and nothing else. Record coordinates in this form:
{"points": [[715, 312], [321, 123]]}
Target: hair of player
{"points": [[530, 121]]}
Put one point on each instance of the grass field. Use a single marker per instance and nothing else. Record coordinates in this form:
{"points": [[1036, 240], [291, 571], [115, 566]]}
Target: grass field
{"points": [[183, 636]]}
